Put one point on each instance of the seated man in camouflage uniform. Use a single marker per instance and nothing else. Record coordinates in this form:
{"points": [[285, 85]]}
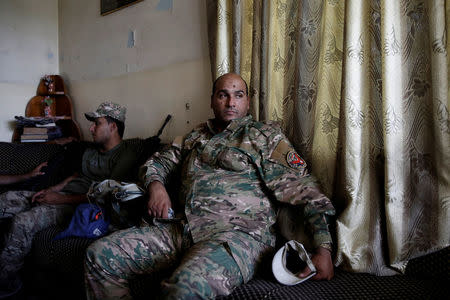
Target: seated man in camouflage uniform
{"points": [[233, 169], [30, 212]]}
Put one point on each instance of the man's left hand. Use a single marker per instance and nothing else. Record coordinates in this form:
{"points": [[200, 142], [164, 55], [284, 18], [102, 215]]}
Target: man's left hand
{"points": [[323, 263]]}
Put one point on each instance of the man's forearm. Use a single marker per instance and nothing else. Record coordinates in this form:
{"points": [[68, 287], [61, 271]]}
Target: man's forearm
{"points": [[59, 186], [320, 231], [51, 197], [73, 199], [10, 179], [152, 184]]}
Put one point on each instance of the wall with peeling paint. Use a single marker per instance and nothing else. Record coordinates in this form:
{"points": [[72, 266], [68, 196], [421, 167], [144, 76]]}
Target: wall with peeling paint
{"points": [[151, 56], [28, 50]]}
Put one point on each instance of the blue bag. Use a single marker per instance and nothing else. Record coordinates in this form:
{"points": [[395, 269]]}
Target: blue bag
{"points": [[88, 221]]}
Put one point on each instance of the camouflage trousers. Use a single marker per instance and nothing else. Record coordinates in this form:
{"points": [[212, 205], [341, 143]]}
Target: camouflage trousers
{"points": [[26, 220], [200, 270]]}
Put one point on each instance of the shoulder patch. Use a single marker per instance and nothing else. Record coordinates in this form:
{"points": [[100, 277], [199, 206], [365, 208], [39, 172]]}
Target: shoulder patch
{"points": [[286, 155], [294, 160]]}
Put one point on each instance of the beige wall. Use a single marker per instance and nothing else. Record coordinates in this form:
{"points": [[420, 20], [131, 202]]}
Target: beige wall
{"points": [[28, 50], [165, 68], [149, 96]]}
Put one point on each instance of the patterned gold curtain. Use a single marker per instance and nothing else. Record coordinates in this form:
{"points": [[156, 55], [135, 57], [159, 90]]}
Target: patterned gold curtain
{"points": [[362, 90]]}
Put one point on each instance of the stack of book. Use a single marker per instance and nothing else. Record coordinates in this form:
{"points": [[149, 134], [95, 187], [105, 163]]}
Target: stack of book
{"points": [[40, 133]]}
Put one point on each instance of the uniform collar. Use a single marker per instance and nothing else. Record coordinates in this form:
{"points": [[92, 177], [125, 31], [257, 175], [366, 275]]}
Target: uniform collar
{"points": [[234, 124]]}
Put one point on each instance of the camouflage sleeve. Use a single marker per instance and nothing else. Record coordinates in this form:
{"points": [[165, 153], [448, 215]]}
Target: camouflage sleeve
{"points": [[285, 174], [161, 165]]}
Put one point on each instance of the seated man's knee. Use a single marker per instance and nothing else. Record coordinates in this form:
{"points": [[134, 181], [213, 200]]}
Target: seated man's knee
{"points": [[206, 272], [99, 253], [22, 223], [13, 203]]}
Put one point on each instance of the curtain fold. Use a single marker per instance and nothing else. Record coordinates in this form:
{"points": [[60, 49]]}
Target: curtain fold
{"points": [[361, 88]]}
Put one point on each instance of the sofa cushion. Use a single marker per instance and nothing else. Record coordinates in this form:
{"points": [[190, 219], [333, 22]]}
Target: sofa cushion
{"points": [[426, 277]]}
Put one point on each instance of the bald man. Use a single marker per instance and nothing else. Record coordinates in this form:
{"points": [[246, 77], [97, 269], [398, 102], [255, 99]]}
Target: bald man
{"points": [[233, 170]]}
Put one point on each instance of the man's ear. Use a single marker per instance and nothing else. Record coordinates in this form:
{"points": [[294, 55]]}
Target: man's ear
{"points": [[113, 127]]}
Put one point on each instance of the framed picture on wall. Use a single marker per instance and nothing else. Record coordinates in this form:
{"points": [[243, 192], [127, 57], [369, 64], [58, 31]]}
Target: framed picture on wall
{"points": [[110, 6]]}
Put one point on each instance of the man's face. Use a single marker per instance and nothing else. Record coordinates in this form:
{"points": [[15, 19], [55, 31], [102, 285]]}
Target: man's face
{"points": [[101, 130], [230, 100]]}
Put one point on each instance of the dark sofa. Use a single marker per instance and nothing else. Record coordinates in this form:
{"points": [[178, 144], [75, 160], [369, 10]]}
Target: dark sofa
{"points": [[425, 278], [54, 269]]}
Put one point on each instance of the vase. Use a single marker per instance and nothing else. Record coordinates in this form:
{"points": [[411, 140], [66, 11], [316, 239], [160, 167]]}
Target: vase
{"points": [[49, 110]]}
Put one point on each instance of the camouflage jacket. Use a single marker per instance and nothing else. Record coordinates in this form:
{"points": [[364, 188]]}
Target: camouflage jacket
{"points": [[232, 180]]}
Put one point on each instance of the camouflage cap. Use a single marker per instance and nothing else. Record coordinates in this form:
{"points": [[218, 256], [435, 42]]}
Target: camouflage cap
{"points": [[109, 109]]}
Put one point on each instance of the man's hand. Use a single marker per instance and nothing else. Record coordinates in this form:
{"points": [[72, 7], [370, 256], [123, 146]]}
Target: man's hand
{"points": [[323, 263], [37, 171], [47, 196], [38, 195], [159, 201], [41, 193]]}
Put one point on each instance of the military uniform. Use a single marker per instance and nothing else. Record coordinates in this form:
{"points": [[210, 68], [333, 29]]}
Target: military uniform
{"points": [[230, 183]]}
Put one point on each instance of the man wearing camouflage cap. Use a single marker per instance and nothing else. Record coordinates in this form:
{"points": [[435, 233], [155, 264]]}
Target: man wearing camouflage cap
{"points": [[234, 170], [108, 157]]}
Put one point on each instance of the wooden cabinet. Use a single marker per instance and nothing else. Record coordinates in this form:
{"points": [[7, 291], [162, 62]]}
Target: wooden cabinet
{"points": [[53, 102]]}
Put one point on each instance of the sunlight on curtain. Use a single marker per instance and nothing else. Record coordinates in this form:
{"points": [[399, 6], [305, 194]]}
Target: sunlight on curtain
{"points": [[362, 91]]}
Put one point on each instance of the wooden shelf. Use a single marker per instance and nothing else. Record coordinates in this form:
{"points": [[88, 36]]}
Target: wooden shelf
{"points": [[61, 107]]}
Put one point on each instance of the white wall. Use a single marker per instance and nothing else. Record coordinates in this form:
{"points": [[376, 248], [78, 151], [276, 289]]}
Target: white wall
{"points": [[167, 67], [28, 50]]}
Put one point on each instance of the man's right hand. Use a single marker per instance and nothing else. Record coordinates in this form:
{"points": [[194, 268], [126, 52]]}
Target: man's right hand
{"points": [[37, 171], [41, 194], [159, 201], [38, 195], [323, 263]]}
